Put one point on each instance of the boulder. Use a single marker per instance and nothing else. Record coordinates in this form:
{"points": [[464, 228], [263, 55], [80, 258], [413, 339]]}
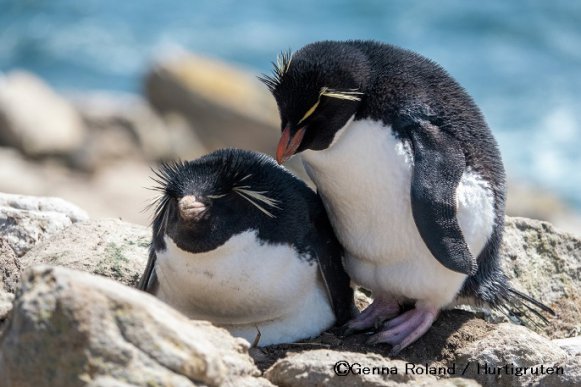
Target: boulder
{"points": [[26, 220], [546, 263], [36, 120], [569, 375], [107, 247], [6, 299], [571, 345], [77, 329], [9, 268], [9, 278], [507, 347], [335, 368]]}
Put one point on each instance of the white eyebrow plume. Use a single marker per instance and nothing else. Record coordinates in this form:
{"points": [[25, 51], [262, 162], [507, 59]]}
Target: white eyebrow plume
{"points": [[350, 95], [256, 198]]}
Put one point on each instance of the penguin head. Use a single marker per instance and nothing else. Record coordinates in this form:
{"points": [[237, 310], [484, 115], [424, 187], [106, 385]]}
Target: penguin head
{"points": [[204, 202], [317, 89]]}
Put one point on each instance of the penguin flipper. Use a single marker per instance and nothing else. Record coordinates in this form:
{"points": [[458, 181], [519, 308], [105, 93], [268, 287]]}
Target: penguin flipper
{"points": [[148, 282], [329, 258], [438, 166]]}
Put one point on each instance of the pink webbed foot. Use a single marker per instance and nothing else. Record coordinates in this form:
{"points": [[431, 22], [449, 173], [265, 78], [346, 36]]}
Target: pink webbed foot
{"points": [[405, 328], [372, 317]]}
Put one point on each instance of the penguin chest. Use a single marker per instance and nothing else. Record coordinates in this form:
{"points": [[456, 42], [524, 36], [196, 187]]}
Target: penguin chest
{"points": [[243, 281], [364, 179]]}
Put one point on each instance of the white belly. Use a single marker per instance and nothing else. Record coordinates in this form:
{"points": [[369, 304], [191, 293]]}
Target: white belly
{"points": [[365, 179], [246, 287]]}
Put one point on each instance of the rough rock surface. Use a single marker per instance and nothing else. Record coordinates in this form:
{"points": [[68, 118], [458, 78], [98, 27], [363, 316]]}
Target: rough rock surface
{"points": [[511, 345], [9, 278], [9, 268], [77, 329], [571, 345], [547, 264], [5, 305], [118, 250], [329, 368], [571, 376], [36, 120], [26, 220], [107, 247]]}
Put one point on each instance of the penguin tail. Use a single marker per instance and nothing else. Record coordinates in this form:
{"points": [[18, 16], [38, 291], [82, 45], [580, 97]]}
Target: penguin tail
{"points": [[524, 309]]}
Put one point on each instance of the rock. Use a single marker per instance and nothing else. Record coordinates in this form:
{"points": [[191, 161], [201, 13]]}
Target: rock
{"points": [[9, 268], [546, 263], [226, 105], [34, 119], [5, 304], [77, 329], [507, 344], [569, 375], [26, 220], [43, 204], [107, 247], [571, 345], [329, 368]]}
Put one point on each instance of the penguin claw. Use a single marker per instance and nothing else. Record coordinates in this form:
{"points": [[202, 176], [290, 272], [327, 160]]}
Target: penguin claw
{"points": [[405, 329], [372, 317]]}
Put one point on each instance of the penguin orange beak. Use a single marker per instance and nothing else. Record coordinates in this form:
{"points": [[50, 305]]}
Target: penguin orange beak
{"points": [[288, 145]]}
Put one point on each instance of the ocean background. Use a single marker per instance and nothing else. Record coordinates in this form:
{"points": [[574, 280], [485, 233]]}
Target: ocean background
{"points": [[520, 60]]}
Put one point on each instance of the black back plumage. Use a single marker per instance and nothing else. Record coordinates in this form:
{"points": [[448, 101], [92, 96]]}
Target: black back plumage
{"points": [[411, 94], [244, 190]]}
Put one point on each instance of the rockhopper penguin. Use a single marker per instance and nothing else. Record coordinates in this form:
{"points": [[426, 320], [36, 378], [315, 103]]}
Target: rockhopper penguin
{"points": [[241, 242], [410, 175]]}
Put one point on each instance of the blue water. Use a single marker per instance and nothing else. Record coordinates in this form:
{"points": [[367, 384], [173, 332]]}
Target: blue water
{"points": [[520, 60]]}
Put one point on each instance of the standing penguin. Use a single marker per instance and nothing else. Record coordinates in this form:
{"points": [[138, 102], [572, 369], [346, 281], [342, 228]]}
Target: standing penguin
{"points": [[409, 173], [241, 242]]}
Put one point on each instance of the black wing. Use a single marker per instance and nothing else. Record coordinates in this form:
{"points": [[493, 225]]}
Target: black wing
{"points": [[438, 166], [148, 282], [329, 254]]}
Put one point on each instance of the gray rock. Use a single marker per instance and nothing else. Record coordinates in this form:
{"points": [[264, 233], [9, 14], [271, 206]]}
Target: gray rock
{"points": [[571, 345], [77, 329], [107, 247], [5, 304], [26, 220], [34, 119], [569, 375], [9, 278], [9, 268], [507, 345], [43, 204], [323, 368], [546, 263]]}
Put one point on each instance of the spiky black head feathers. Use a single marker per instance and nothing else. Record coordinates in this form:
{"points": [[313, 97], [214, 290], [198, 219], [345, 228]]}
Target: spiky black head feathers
{"points": [[280, 67], [318, 88], [240, 190]]}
